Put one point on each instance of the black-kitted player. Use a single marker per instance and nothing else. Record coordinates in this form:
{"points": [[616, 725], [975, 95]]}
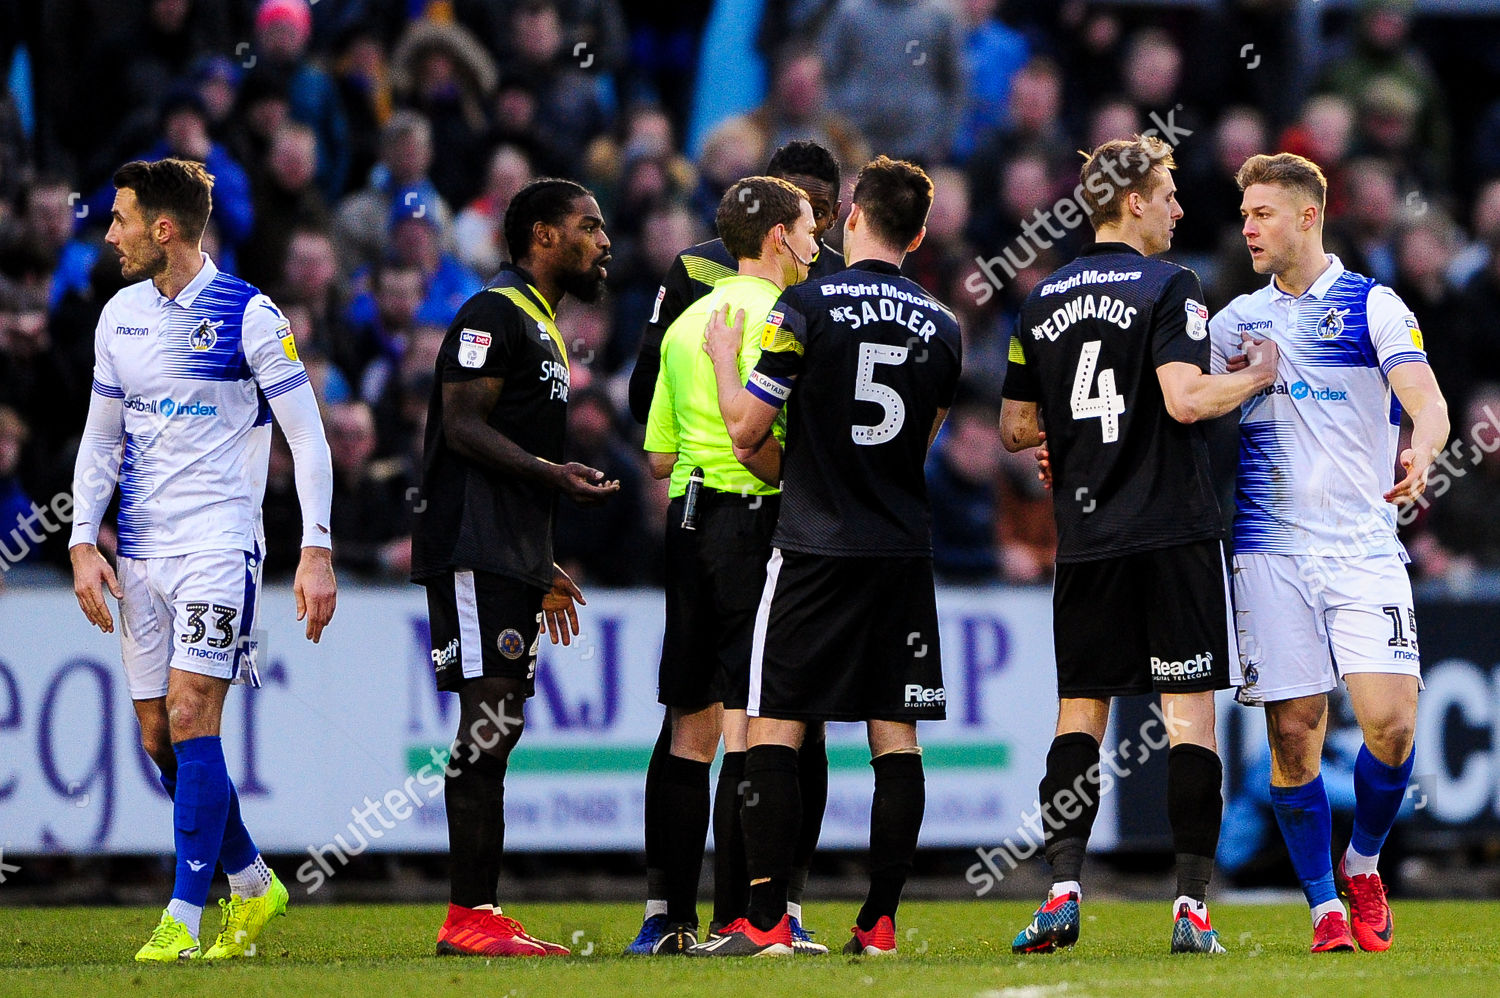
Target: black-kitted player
{"points": [[1110, 356], [867, 363], [812, 168], [482, 543]]}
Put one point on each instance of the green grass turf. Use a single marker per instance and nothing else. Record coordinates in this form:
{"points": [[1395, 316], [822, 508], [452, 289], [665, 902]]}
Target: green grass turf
{"points": [[1443, 950]]}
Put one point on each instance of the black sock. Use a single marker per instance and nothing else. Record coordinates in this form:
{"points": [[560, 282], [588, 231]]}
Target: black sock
{"points": [[731, 882], [812, 778], [797, 885], [1069, 760], [895, 822], [771, 816], [684, 796], [475, 800], [1195, 808], [656, 874]]}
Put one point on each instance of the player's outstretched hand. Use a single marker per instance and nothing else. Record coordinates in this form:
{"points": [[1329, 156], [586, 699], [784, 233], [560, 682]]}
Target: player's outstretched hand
{"points": [[722, 338], [584, 485], [91, 574], [317, 592], [1414, 484], [1043, 461], [558, 610]]}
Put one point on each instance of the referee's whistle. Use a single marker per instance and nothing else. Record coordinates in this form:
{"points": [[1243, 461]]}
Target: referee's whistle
{"points": [[690, 500]]}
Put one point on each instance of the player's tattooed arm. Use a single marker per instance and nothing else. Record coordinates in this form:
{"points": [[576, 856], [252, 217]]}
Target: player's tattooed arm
{"points": [[1019, 425], [466, 409]]}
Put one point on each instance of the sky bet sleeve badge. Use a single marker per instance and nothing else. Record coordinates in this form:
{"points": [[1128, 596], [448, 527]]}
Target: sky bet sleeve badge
{"points": [[1197, 320], [473, 347], [288, 342]]}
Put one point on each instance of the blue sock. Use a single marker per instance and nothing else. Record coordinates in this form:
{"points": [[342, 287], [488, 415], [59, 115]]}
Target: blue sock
{"points": [[1378, 792], [1306, 823], [199, 810], [238, 850]]}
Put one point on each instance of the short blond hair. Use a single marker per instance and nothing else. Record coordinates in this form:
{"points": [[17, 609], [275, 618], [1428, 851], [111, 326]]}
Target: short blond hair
{"points": [[1136, 158], [1285, 169]]}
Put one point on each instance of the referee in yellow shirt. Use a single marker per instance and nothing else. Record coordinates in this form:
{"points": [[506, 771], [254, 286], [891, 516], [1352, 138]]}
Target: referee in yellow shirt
{"points": [[719, 526]]}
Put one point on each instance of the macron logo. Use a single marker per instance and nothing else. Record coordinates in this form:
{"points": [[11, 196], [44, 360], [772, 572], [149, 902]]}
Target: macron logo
{"points": [[1199, 665], [195, 865], [918, 695]]}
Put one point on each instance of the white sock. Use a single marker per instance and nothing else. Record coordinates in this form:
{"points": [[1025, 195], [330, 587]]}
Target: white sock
{"points": [[1067, 887], [1196, 907], [190, 915], [253, 881], [655, 907], [1325, 908], [794, 909], [1357, 865]]}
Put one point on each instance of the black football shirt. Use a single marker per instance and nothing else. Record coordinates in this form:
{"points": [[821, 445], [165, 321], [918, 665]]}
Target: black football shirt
{"points": [[470, 516], [1126, 476], [691, 276], [866, 358]]}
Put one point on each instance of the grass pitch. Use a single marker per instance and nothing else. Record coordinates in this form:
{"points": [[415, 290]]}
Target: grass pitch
{"points": [[1443, 950]]}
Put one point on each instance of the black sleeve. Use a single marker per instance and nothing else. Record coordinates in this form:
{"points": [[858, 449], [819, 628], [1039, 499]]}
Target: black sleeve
{"points": [[949, 390], [482, 340], [1020, 384], [783, 343], [672, 299], [1179, 324]]}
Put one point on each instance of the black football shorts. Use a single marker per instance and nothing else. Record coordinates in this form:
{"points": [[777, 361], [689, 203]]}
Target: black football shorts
{"points": [[1155, 620], [483, 625], [715, 575], [847, 639]]}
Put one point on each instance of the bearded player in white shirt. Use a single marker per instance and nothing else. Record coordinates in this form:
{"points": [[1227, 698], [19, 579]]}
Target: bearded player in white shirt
{"points": [[1320, 584], [190, 365]]}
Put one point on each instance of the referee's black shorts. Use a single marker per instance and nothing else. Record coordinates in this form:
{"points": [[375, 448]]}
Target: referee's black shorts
{"points": [[483, 625], [714, 579], [847, 639], [1155, 620]]}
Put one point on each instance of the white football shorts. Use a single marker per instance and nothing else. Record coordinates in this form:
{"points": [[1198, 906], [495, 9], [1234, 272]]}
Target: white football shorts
{"points": [[194, 612], [1304, 621]]}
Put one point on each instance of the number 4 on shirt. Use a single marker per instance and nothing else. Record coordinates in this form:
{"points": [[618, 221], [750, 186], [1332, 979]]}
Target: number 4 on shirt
{"points": [[1108, 404]]}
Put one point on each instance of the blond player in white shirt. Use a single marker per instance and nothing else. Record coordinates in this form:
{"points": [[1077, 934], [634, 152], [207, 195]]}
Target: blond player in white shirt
{"points": [[1320, 584], [190, 365]]}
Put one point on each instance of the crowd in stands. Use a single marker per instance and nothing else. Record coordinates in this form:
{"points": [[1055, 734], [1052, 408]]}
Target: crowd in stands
{"points": [[365, 151]]}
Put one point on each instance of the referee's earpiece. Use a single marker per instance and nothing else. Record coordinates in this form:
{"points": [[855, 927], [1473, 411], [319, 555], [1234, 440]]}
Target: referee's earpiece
{"points": [[788, 244]]}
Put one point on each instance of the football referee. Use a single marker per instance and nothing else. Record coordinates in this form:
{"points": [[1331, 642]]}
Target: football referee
{"points": [[1111, 354], [482, 544], [718, 539]]}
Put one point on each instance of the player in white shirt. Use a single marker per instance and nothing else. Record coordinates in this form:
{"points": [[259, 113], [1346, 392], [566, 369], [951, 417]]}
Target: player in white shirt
{"points": [[1320, 583], [190, 366]]}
